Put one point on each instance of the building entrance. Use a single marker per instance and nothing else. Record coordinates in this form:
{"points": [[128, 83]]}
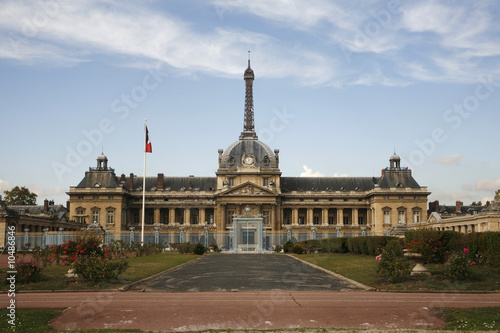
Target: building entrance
{"points": [[248, 233]]}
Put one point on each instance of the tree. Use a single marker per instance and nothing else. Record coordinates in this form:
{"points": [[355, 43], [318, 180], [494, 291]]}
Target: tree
{"points": [[476, 203], [20, 196]]}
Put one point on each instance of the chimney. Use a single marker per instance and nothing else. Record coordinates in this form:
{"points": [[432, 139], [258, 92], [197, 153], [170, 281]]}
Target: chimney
{"points": [[161, 178], [383, 172], [131, 182], [46, 205], [67, 205], [122, 178], [51, 203], [459, 206], [436, 206]]}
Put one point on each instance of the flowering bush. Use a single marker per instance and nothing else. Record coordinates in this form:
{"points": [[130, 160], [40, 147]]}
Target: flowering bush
{"points": [[393, 268], [430, 249], [460, 267], [28, 272], [76, 250], [96, 268]]}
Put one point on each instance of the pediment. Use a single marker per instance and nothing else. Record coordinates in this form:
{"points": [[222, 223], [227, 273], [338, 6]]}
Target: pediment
{"points": [[248, 189]]}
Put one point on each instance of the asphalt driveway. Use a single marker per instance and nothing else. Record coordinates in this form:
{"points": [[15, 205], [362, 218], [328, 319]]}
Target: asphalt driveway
{"points": [[245, 272]]}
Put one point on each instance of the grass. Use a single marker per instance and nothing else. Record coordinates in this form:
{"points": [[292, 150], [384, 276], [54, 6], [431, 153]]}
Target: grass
{"points": [[363, 269], [139, 267], [475, 319]]}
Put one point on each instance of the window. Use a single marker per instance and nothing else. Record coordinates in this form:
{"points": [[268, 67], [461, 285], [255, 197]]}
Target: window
{"points": [[401, 216], [301, 219], [230, 214], [230, 181], [316, 219], [286, 217], [265, 217], [80, 197], [80, 218], [96, 197], [416, 216], [110, 197], [95, 216], [265, 181], [110, 216], [135, 218], [387, 217], [331, 220], [401, 197], [361, 220], [346, 220]]}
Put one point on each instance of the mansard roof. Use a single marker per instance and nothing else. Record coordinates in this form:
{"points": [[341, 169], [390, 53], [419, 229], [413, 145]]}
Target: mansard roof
{"points": [[289, 184], [398, 179], [99, 179], [176, 183]]}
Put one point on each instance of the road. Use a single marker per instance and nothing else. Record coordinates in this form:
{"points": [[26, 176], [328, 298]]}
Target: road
{"points": [[247, 310]]}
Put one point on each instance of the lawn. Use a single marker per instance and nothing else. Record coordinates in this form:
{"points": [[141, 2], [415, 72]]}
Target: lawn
{"points": [[363, 269], [139, 267]]}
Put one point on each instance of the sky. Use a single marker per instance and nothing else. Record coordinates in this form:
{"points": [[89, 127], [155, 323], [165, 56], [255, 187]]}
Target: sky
{"points": [[339, 87]]}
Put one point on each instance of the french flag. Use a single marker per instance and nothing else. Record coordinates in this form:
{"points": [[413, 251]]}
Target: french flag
{"points": [[149, 147]]}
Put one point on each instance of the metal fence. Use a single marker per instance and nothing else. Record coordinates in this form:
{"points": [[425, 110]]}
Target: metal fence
{"points": [[224, 240]]}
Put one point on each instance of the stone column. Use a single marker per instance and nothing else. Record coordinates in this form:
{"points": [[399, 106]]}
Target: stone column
{"points": [[309, 216], [340, 216], [187, 216], [157, 216], [222, 217], [355, 216], [324, 216], [171, 216], [272, 218], [201, 216], [295, 216]]}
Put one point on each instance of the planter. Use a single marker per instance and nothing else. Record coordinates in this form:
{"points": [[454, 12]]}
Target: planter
{"points": [[419, 268]]}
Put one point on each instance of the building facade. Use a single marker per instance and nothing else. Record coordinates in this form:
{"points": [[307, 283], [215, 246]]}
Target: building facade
{"points": [[249, 176], [465, 219]]}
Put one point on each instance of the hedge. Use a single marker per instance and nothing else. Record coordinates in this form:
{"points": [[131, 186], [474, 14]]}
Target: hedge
{"points": [[368, 245]]}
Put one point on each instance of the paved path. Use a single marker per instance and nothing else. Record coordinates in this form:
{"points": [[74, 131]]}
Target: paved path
{"points": [[157, 311], [245, 272]]}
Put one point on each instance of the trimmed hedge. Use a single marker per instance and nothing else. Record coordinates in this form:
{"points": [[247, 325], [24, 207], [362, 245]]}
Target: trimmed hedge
{"points": [[368, 245]]}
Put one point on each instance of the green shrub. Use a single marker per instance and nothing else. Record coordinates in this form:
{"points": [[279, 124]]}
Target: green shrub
{"points": [[199, 249], [392, 267], [277, 248], [185, 248], [287, 246], [297, 248], [311, 245], [96, 268], [334, 245]]}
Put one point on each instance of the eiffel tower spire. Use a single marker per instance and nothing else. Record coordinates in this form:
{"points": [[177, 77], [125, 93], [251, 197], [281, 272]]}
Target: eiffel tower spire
{"points": [[248, 122]]}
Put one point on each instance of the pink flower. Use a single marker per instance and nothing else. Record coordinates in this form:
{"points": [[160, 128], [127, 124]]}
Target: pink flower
{"points": [[466, 250], [473, 262], [379, 257]]}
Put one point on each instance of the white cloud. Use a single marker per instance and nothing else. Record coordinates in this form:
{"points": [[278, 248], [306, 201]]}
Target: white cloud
{"points": [[309, 173], [424, 41], [339, 174], [4, 186], [453, 159], [488, 185]]}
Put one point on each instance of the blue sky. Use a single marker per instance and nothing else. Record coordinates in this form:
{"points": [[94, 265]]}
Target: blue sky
{"points": [[339, 85]]}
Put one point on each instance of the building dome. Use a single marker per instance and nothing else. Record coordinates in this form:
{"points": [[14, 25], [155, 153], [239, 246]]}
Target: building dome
{"points": [[248, 152], [395, 157], [102, 157]]}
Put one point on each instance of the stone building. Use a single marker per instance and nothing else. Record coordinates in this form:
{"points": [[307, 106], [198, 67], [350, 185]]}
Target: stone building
{"points": [[249, 175], [35, 219], [464, 219]]}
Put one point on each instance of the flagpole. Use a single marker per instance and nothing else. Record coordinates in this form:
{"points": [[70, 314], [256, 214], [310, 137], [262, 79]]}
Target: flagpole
{"points": [[144, 184]]}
